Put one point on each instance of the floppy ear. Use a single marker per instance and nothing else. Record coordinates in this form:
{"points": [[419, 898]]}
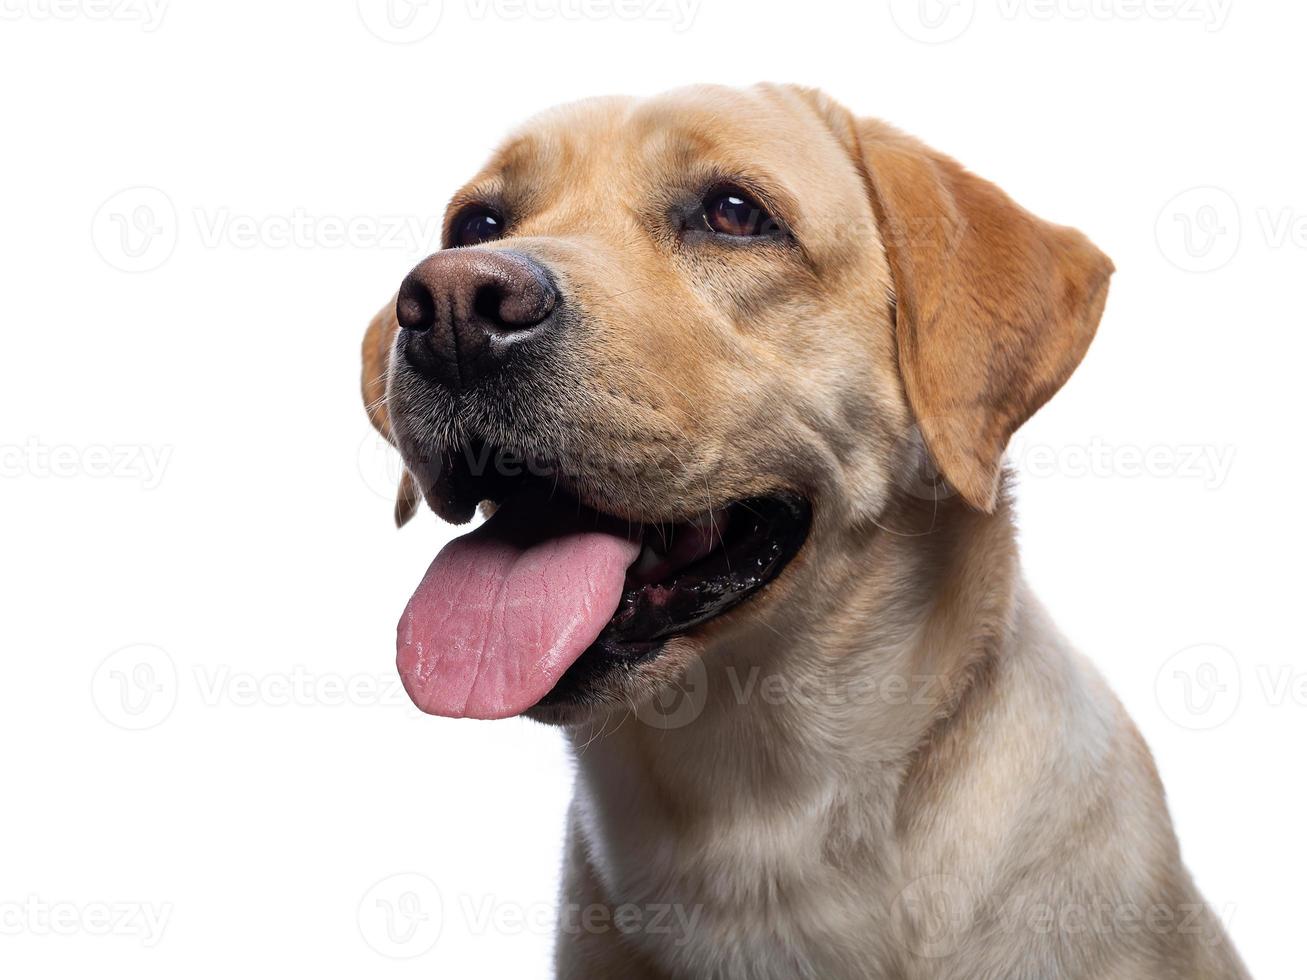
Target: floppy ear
{"points": [[377, 345], [994, 307]]}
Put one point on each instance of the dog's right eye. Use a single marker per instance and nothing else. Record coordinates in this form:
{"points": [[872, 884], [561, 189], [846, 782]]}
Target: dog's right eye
{"points": [[476, 224]]}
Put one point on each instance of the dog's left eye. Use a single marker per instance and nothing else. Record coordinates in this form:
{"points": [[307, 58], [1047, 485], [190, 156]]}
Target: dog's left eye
{"points": [[476, 224], [731, 211]]}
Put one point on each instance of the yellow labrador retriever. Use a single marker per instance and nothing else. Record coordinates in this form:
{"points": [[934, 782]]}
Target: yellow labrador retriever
{"points": [[732, 374]]}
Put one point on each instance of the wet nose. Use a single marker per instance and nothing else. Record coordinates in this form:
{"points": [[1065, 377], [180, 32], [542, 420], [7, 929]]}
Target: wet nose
{"points": [[461, 311]]}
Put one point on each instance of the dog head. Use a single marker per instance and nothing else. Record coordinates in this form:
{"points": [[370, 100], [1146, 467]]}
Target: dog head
{"points": [[683, 345]]}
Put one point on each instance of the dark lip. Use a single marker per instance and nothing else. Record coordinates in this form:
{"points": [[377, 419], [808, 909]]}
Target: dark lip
{"points": [[765, 534]]}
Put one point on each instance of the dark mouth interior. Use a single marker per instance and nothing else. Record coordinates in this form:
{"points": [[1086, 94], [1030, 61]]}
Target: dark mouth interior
{"points": [[751, 540], [688, 572]]}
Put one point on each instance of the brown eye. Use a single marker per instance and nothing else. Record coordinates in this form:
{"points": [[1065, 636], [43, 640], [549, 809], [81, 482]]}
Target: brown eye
{"points": [[730, 211], [475, 225]]}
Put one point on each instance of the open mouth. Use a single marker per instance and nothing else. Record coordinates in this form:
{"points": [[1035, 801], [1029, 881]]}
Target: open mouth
{"points": [[548, 596]]}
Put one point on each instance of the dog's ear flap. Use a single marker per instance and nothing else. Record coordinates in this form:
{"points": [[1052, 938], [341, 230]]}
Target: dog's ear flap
{"points": [[994, 307], [377, 345]]}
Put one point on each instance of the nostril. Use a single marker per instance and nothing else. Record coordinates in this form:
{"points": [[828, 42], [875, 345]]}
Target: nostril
{"points": [[415, 308], [486, 304], [515, 305]]}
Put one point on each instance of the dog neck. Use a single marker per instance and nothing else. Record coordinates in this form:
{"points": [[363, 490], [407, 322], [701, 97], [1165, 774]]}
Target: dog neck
{"points": [[808, 705]]}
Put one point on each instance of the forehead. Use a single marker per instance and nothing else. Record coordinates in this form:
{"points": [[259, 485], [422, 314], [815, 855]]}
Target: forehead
{"points": [[770, 135]]}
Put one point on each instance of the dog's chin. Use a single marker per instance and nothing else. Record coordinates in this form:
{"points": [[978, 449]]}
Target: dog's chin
{"points": [[693, 573], [610, 679]]}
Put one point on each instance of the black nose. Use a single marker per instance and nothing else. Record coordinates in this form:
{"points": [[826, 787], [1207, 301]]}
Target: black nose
{"points": [[462, 310]]}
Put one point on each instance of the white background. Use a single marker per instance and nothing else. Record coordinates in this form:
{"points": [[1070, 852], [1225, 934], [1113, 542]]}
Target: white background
{"points": [[189, 478]]}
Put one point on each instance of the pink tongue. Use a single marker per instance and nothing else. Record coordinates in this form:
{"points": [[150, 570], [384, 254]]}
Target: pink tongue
{"points": [[504, 610]]}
